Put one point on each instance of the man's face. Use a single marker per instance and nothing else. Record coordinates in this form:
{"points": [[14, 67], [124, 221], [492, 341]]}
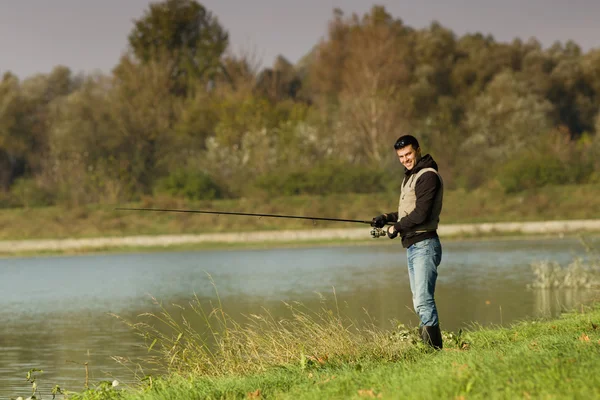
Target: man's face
{"points": [[409, 156]]}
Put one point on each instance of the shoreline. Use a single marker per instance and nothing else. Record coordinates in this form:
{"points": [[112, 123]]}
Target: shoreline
{"points": [[279, 238], [484, 362]]}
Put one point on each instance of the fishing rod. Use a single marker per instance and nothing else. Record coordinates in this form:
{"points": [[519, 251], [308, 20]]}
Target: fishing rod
{"points": [[375, 232]]}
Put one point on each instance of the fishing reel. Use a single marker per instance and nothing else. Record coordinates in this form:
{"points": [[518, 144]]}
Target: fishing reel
{"points": [[378, 232]]}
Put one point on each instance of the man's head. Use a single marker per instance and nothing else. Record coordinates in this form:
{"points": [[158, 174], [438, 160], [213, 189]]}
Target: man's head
{"points": [[408, 151]]}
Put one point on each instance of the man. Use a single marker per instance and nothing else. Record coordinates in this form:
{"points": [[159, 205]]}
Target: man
{"points": [[416, 221]]}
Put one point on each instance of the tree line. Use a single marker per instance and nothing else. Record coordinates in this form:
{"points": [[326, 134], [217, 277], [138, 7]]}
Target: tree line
{"points": [[181, 114]]}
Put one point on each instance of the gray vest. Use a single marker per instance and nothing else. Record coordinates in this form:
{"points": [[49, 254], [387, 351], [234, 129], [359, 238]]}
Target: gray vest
{"points": [[408, 201]]}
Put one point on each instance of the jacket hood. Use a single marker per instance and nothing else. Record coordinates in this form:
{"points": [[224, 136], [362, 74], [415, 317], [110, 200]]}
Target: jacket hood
{"points": [[425, 162]]}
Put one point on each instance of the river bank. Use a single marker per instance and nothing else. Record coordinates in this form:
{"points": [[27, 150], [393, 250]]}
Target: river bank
{"points": [[555, 358], [547, 211], [285, 237]]}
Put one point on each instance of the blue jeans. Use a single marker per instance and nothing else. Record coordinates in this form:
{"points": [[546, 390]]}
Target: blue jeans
{"points": [[423, 259]]}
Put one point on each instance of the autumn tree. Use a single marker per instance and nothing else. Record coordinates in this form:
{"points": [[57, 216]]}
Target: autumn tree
{"points": [[323, 81], [433, 58], [370, 77], [185, 33], [40, 92], [505, 118], [24, 108], [180, 105], [81, 165], [145, 114]]}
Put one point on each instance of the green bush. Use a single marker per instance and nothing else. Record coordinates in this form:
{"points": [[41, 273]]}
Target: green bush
{"points": [[193, 185], [27, 193], [324, 179], [534, 171]]}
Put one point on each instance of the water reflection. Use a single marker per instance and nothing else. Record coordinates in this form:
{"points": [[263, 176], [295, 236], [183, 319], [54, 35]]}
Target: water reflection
{"points": [[550, 302], [54, 310]]}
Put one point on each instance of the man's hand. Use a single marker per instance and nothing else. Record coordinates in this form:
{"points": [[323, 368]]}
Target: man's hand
{"points": [[392, 233], [379, 221]]}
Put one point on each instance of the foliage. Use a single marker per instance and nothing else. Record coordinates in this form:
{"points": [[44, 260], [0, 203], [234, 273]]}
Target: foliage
{"points": [[181, 99], [506, 117], [503, 120], [13, 138], [533, 172], [191, 185], [28, 193], [364, 65], [561, 162], [82, 163], [331, 177], [32, 378], [184, 32]]}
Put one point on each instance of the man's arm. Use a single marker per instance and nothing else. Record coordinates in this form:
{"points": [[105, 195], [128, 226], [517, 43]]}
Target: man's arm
{"points": [[426, 189]]}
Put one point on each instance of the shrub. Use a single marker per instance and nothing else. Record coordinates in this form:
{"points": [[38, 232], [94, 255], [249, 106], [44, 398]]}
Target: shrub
{"points": [[193, 185], [27, 193], [529, 172], [324, 179]]}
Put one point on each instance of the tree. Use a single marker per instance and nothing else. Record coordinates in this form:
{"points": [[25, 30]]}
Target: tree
{"points": [[479, 59], [590, 64], [362, 75], [39, 93], [507, 116], [184, 32], [14, 141], [324, 82], [572, 94], [24, 109], [279, 82], [504, 119], [434, 58], [145, 114], [80, 165], [536, 69]]}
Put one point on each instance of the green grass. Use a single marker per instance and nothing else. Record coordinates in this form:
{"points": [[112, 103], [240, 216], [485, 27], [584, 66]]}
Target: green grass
{"points": [[489, 205], [541, 359]]}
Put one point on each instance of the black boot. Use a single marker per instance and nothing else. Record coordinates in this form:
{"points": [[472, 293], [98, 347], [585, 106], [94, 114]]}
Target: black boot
{"points": [[432, 336]]}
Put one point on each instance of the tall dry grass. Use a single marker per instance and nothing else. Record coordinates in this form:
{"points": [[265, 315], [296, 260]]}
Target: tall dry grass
{"points": [[213, 343]]}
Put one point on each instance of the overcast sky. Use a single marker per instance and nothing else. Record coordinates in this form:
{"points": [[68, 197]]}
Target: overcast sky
{"points": [[87, 35]]}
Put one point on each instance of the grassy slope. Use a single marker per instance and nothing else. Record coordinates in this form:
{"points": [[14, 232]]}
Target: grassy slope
{"points": [[551, 203], [535, 359]]}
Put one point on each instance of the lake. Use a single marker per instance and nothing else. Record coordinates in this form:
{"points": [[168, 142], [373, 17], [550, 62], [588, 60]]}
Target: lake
{"points": [[54, 311]]}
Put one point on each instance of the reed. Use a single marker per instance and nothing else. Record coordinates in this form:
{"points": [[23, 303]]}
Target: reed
{"points": [[212, 343], [581, 273], [539, 359]]}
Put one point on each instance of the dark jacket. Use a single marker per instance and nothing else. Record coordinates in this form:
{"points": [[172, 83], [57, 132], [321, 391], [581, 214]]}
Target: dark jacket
{"points": [[426, 189]]}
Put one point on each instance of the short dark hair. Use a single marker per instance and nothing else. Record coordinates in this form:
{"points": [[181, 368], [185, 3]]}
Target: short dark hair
{"points": [[406, 140]]}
